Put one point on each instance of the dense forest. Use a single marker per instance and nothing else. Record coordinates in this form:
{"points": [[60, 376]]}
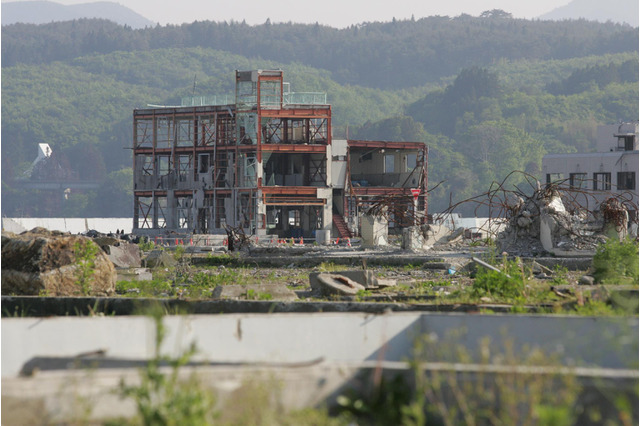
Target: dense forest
{"points": [[488, 94]]}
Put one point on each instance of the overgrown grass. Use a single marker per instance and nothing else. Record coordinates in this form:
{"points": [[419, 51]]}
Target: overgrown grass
{"points": [[616, 262], [503, 385], [146, 244], [509, 283]]}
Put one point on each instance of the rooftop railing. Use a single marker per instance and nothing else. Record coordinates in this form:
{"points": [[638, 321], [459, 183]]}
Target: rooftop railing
{"points": [[290, 98]]}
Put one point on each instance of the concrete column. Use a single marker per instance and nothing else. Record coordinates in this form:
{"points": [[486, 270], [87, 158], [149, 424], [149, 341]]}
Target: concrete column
{"points": [[327, 211], [172, 211]]}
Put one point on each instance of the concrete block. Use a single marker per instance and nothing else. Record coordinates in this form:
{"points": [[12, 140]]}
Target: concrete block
{"points": [[437, 234], [323, 237], [365, 278], [159, 259], [412, 239], [331, 283], [374, 231], [124, 255], [254, 292]]}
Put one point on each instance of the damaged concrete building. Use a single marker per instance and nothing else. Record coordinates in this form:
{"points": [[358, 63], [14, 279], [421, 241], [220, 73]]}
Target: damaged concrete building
{"points": [[611, 171], [265, 164]]}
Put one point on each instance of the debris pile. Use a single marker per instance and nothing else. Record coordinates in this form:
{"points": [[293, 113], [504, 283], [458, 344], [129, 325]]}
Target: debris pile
{"points": [[554, 219], [42, 262], [542, 223]]}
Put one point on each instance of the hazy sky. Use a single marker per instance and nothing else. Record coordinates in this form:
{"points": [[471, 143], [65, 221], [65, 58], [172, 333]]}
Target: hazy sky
{"points": [[337, 13]]}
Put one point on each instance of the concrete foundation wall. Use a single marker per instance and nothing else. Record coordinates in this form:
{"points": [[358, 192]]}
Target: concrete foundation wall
{"points": [[340, 337]]}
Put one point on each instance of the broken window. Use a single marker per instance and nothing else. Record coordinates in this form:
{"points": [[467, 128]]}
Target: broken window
{"points": [[296, 131], [163, 165], [226, 131], [246, 210], [164, 132], [626, 180], [207, 131], [249, 166], [389, 163], [317, 130], [270, 94], [625, 143], [144, 133], [272, 130], [247, 129], [578, 180], [185, 133], [144, 164], [246, 94], [160, 214], [294, 218], [411, 160], [602, 181], [144, 206], [184, 211], [273, 217], [203, 163], [184, 167]]}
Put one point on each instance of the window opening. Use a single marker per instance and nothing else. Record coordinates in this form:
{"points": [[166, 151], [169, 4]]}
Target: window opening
{"points": [[602, 181], [578, 180], [626, 180], [389, 163]]}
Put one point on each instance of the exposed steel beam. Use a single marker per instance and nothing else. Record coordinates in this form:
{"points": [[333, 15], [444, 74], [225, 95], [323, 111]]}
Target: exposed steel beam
{"points": [[289, 190], [294, 147], [384, 144]]}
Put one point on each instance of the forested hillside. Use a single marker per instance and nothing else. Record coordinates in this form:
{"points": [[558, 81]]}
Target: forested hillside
{"points": [[396, 54], [489, 94]]}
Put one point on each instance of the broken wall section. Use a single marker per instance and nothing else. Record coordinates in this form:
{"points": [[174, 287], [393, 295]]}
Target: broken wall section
{"points": [[543, 224]]}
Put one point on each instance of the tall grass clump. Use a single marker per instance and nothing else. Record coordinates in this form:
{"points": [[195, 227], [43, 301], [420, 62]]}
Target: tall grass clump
{"points": [[616, 262]]}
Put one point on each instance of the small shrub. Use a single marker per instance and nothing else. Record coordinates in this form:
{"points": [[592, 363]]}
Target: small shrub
{"points": [[178, 254], [616, 262], [509, 283], [560, 276], [220, 259], [146, 244], [85, 253]]}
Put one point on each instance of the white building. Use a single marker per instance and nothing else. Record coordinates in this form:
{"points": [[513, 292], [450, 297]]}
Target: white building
{"points": [[611, 171]]}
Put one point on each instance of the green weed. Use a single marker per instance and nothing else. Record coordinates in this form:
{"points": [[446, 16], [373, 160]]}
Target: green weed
{"points": [[220, 259], [329, 267], [85, 253], [164, 399], [616, 262], [146, 244], [258, 295], [560, 275], [509, 283], [178, 253]]}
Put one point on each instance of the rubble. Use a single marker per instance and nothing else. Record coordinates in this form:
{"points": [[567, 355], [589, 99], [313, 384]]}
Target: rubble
{"points": [[46, 262], [121, 253], [159, 259], [330, 284], [542, 223]]}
